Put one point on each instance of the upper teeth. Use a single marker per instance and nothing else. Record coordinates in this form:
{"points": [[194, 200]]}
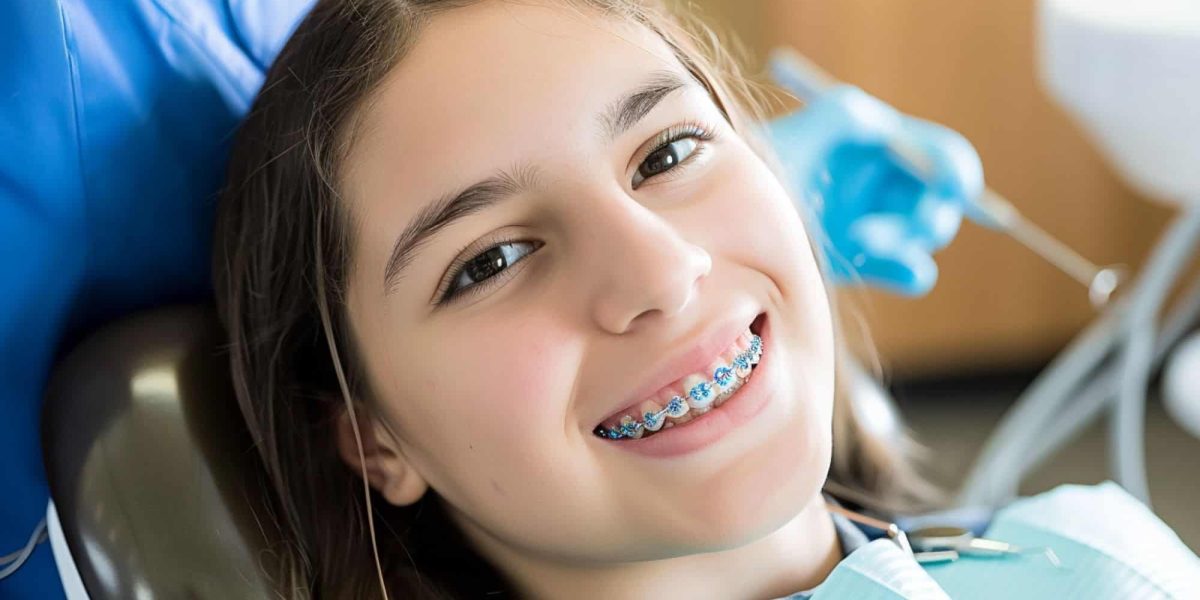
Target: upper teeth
{"points": [[701, 395]]}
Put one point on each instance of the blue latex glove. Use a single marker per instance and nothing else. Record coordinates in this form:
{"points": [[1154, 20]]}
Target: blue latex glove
{"points": [[883, 224], [115, 118]]}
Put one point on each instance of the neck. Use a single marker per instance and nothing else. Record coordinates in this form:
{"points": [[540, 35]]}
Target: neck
{"points": [[797, 556]]}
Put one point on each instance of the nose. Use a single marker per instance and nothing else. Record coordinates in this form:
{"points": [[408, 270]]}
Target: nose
{"points": [[639, 263]]}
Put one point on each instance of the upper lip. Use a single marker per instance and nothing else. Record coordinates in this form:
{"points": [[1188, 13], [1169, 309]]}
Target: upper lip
{"points": [[695, 354]]}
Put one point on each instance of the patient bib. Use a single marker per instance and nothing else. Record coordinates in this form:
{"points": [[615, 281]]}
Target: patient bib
{"points": [[1110, 546]]}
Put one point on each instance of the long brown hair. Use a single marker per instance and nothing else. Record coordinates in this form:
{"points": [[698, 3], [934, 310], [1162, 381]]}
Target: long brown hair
{"points": [[280, 263]]}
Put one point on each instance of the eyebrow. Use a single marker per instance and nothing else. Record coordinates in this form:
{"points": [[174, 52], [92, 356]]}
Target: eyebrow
{"points": [[615, 120], [449, 208], [624, 113]]}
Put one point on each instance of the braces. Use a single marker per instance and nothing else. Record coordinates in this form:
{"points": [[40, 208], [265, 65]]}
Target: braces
{"points": [[701, 395]]}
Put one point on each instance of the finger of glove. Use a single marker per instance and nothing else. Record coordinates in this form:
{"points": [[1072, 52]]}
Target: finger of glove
{"points": [[853, 182], [927, 216], [936, 221], [891, 255], [908, 271], [955, 170], [874, 185], [952, 184]]}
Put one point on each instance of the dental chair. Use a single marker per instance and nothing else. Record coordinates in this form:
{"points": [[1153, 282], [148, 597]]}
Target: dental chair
{"points": [[155, 493], [115, 122]]}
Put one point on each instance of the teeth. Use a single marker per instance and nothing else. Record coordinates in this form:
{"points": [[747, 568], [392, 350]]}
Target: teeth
{"points": [[653, 414], [699, 395], [741, 366], [652, 420], [700, 392], [724, 378], [727, 393], [677, 407], [631, 428]]}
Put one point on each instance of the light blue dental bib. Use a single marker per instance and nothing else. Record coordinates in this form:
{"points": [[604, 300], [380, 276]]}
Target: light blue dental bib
{"points": [[1110, 545]]}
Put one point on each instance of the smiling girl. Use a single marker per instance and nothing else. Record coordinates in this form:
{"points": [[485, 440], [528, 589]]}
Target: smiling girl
{"points": [[516, 302]]}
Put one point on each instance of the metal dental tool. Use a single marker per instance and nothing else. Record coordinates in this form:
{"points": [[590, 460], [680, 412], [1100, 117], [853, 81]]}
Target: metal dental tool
{"points": [[943, 544], [892, 530], [939, 544], [802, 77]]}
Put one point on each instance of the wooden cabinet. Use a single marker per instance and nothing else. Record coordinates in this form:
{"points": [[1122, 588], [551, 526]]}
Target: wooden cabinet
{"points": [[970, 66]]}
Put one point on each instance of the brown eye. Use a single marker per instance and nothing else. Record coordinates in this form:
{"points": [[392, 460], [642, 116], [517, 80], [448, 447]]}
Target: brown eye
{"points": [[486, 265], [664, 159]]}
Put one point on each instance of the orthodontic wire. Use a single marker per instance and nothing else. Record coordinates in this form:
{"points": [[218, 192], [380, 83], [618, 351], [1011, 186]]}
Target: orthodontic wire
{"points": [[675, 408]]}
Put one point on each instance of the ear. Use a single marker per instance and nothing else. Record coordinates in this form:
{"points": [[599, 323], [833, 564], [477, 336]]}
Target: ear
{"points": [[388, 471]]}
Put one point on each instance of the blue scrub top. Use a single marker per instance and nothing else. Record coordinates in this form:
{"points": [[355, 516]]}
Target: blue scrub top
{"points": [[115, 121]]}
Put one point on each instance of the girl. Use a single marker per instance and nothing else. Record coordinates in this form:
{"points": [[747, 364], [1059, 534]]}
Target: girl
{"points": [[517, 305]]}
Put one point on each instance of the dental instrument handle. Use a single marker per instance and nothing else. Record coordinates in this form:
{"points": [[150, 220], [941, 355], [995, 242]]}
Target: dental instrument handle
{"points": [[1101, 282], [799, 75], [805, 78], [986, 547], [1000, 214]]}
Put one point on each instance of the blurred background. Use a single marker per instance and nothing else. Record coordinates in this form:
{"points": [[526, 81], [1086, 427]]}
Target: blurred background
{"points": [[957, 358]]}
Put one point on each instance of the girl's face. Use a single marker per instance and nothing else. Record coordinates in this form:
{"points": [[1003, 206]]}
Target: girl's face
{"points": [[616, 270]]}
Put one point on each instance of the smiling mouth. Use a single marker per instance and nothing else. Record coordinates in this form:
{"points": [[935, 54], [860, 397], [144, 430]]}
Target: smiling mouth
{"points": [[699, 399]]}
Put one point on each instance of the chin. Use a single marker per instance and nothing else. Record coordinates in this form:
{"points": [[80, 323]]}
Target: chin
{"points": [[762, 493]]}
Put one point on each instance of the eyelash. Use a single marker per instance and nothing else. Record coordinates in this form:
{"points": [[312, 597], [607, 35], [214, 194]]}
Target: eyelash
{"points": [[689, 129], [683, 131], [455, 294]]}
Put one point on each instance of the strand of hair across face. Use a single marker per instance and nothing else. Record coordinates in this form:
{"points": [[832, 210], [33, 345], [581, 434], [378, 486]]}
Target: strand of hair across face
{"points": [[323, 306]]}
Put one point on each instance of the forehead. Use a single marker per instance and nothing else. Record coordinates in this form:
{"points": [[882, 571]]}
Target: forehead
{"points": [[487, 87]]}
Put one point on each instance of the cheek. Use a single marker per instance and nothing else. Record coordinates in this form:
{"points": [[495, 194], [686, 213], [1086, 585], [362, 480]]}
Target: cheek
{"points": [[492, 379], [501, 371], [766, 233], [760, 226], [493, 419]]}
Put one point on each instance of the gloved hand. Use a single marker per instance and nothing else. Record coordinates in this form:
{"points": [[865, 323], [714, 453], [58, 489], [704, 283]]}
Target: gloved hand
{"points": [[881, 221]]}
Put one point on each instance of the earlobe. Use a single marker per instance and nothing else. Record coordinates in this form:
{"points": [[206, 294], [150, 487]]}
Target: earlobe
{"points": [[387, 470]]}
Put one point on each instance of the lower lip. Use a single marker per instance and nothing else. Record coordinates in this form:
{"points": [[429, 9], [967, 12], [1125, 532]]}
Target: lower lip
{"points": [[740, 408]]}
